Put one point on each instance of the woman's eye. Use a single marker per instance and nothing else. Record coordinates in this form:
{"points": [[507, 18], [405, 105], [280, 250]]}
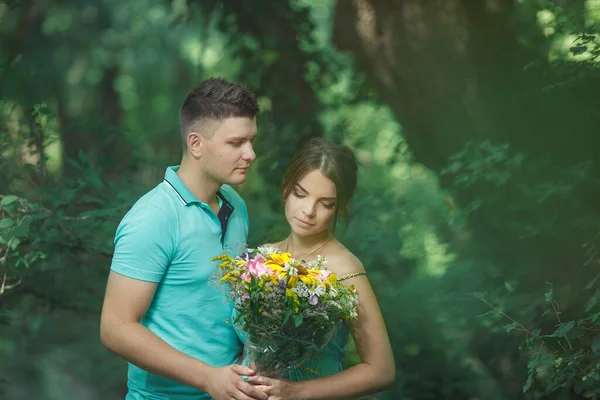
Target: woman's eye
{"points": [[298, 195], [236, 144], [329, 206]]}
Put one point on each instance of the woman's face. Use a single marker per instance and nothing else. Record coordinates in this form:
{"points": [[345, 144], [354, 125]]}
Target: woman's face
{"points": [[310, 206]]}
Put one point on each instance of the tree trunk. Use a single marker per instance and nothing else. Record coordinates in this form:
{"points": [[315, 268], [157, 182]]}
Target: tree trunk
{"points": [[453, 72], [99, 136]]}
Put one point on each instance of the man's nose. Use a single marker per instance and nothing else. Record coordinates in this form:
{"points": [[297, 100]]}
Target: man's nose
{"points": [[249, 154]]}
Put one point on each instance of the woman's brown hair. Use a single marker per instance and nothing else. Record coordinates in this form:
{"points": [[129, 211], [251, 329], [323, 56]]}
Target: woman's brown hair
{"points": [[336, 162]]}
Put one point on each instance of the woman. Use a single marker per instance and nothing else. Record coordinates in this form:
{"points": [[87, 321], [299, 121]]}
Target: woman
{"points": [[316, 191]]}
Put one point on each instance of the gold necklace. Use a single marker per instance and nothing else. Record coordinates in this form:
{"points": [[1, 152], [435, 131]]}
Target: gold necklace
{"points": [[319, 247]]}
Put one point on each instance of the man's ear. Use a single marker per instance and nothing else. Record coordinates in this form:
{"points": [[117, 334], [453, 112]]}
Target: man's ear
{"points": [[195, 144]]}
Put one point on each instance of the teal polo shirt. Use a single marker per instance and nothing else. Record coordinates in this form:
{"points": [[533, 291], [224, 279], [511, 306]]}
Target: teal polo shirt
{"points": [[169, 237]]}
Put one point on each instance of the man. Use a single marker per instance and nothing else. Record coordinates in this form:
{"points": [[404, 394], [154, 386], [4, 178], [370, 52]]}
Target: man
{"points": [[160, 313]]}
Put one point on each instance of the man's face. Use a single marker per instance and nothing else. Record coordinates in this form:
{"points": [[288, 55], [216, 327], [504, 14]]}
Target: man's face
{"points": [[227, 155]]}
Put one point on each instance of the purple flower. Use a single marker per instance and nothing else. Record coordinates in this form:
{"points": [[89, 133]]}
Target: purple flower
{"points": [[313, 300]]}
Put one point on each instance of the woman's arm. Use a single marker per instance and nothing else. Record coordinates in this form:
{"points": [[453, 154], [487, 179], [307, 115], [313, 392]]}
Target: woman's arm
{"points": [[376, 371]]}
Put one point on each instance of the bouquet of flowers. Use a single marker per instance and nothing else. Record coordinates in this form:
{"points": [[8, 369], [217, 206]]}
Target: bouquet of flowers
{"points": [[288, 309]]}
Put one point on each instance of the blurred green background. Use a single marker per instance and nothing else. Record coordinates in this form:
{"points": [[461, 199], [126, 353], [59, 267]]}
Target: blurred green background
{"points": [[478, 209]]}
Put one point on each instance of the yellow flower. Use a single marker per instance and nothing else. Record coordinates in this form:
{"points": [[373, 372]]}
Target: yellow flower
{"points": [[274, 267], [279, 259], [293, 281], [224, 265], [305, 279], [222, 257], [227, 276], [332, 279], [310, 280], [290, 294]]}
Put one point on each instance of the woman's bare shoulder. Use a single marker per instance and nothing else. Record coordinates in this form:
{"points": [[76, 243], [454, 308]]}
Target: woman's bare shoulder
{"points": [[343, 261]]}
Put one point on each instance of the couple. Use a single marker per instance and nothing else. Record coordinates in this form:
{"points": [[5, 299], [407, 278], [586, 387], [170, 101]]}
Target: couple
{"points": [[162, 313]]}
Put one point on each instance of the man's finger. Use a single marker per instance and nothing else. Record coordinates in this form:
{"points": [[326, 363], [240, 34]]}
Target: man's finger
{"points": [[266, 389], [242, 370], [252, 391], [241, 396], [259, 380]]}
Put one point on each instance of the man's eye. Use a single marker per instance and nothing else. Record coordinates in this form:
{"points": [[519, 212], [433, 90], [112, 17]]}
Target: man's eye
{"points": [[236, 144]]}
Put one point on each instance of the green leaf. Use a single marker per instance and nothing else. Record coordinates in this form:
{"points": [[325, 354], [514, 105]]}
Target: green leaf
{"points": [[43, 214], [21, 231], [15, 243], [563, 329], [509, 286], [8, 199], [240, 318], [297, 319], [546, 312], [529, 382], [596, 343], [549, 294], [510, 327], [288, 313], [593, 301], [6, 222]]}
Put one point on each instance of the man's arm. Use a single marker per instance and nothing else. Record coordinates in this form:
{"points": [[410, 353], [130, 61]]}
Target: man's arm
{"points": [[125, 303]]}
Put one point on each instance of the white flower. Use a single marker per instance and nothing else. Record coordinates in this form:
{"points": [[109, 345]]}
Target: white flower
{"points": [[290, 269], [322, 261], [266, 250], [317, 290], [336, 304], [333, 292], [301, 290]]}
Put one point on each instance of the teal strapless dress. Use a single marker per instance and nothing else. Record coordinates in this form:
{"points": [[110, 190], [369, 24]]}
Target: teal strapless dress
{"points": [[327, 362]]}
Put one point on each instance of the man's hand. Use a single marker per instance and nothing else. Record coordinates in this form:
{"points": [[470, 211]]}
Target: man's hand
{"points": [[226, 383], [276, 389]]}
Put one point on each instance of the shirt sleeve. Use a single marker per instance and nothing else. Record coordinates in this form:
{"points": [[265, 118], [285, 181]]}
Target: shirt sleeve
{"points": [[144, 243]]}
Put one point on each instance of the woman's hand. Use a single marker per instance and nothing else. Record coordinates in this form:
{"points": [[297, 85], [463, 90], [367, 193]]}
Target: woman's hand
{"points": [[227, 383], [276, 388]]}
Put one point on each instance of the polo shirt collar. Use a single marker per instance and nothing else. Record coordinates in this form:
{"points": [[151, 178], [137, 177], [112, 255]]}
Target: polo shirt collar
{"points": [[183, 193]]}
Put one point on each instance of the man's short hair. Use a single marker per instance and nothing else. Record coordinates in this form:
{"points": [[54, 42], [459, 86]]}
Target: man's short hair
{"points": [[215, 99]]}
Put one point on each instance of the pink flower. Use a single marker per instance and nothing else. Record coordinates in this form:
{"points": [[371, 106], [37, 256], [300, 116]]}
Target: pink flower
{"points": [[245, 276], [245, 296], [257, 268], [313, 300], [324, 275]]}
